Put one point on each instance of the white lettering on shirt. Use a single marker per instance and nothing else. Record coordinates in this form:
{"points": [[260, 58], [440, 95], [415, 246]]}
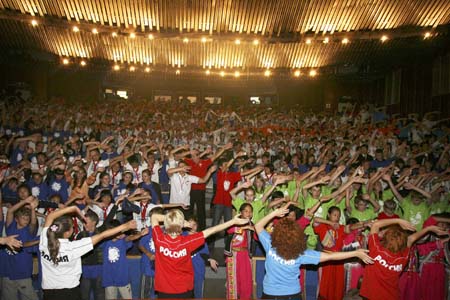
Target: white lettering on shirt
{"points": [[381, 261], [173, 254], [281, 261]]}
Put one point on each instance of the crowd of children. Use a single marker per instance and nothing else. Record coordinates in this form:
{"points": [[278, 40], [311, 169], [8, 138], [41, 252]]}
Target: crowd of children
{"points": [[81, 183]]}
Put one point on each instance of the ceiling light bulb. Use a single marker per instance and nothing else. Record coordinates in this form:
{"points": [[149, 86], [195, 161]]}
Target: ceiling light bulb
{"points": [[308, 41], [132, 35], [185, 40], [75, 29], [94, 31], [208, 72], [65, 61], [427, 35], [326, 40], [177, 72], [345, 41], [82, 63], [255, 42], [267, 73], [312, 73], [150, 36], [147, 69], [114, 34], [203, 40], [237, 74], [297, 73], [34, 23], [222, 73], [237, 42], [132, 69], [384, 38], [116, 67]]}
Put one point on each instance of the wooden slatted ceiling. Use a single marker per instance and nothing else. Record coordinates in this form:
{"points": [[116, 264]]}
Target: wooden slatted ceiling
{"points": [[265, 17], [215, 53]]}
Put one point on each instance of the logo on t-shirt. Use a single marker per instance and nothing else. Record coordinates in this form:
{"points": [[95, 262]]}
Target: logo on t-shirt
{"points": [[381, 261], [173, 254], [56, 186], [35, 191], [151, 245], [280, 260], [226, 185], [113, 254]]}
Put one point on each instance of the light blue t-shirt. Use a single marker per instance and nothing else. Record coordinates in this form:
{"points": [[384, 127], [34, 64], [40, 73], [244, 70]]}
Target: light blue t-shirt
{"points": [[282, 275]]}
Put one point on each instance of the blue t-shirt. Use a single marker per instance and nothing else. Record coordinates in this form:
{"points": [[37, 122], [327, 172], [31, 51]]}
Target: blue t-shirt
{"points": [[282, 275], [59, 187], [19, 263], [2, 255], [115, 264], [39, 190], [147, 265], [9, 196], [151, 188], [198, 263]]}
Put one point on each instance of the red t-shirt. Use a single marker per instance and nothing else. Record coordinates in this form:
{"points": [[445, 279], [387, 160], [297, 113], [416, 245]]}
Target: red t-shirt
{"points": [[225, 183], [381, 279], [173, 265], [330, 238], [384, 216], [198, 170]]}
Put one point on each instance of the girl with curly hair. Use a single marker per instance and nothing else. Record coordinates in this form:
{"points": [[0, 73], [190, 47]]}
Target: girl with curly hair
{"points": [[286, 252]]}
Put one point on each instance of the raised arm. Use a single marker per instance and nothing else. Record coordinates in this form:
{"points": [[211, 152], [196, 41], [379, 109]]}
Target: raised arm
{"points": [[417, 235], [377, 225], [237, 220], [280, 212], [61, 212], [15, 207], [387, 178], [221, 151], [113, 231], [360, 253], [211, 170], [410, 186]]}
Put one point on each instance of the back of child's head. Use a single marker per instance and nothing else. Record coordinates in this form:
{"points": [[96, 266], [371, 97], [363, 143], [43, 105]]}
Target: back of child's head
{"points": [[112, 224], [157, 210], [277, 195], [352, 221], [56, 231], [174, 221], [394, 239]]}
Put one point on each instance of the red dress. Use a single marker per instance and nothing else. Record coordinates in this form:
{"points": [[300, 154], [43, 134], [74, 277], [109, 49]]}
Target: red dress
{"points": [[332, 279]]}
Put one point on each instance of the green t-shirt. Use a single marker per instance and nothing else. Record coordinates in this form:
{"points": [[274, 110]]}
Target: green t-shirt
{"points": [[366, 215], [312, 238], [257, 205], [416, 214]]}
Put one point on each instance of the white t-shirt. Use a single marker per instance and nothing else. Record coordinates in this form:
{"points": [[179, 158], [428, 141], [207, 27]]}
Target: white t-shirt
{"points": [[180, 188], [67, 273], [143, 220]]}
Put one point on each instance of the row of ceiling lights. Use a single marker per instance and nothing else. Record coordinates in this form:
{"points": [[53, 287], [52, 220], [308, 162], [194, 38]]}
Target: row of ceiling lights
{"points": [[255, 42], [267, 73]]}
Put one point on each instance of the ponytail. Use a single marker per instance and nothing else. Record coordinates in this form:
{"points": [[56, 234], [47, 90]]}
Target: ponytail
{"points": [[54, 233]]}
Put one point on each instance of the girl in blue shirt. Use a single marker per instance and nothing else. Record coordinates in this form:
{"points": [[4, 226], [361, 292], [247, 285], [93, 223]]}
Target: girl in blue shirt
{"points": [[285, 253]]}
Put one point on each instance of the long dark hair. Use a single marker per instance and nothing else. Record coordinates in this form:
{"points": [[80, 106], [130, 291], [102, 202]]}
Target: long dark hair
{"points": [[56, 231]]}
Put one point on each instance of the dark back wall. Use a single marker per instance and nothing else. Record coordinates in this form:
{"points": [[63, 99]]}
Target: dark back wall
{"points": [[319, 93]]}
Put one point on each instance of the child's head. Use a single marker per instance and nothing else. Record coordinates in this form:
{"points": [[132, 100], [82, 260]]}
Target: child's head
{"points": [[288, 239], [146, 175], [22, 217], [246, 211], [55, 198], [295, 213], [416, 198], [61, 228], [194, 224], [249, 194], [174, 222], [91, 220], [113, 224], [259, 183], [315, 192], [334, 214], [394, 239], [104, 179], [352, 221], [389, 206], [360, 204], [23, 191], [106, 197]]}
